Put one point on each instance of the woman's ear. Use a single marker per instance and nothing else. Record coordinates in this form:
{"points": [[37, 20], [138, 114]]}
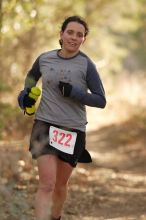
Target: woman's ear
{"points": [[61, 33], [84, 40]]}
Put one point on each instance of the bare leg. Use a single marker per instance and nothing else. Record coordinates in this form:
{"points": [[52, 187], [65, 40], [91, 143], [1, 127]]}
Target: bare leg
{"points": [[47, 165], [64, 171]]}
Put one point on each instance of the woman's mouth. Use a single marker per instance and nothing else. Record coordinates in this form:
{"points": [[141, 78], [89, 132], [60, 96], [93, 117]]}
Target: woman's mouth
{"points": [[72, 44]]}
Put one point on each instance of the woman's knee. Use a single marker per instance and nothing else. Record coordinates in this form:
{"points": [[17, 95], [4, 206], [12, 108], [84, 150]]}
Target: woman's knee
{"points": [[47, 172], [47, 187], [59, 189]]}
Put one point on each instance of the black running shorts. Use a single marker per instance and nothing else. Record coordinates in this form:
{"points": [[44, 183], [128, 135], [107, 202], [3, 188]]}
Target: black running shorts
{"points": [[39, 144]]}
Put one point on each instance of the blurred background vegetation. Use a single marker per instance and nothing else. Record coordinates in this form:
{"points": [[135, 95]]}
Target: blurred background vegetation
{"points": [[116, 43]]}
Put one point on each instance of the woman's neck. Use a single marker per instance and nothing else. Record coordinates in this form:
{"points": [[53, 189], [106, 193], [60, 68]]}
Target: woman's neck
{"points": [[67, 54]]}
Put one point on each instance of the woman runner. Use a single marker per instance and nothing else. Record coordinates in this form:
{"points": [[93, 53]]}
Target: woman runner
{"points": [[70, 81]]}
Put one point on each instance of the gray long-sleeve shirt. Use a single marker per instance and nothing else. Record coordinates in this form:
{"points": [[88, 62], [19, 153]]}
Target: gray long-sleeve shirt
{"points": [[81, 73]]}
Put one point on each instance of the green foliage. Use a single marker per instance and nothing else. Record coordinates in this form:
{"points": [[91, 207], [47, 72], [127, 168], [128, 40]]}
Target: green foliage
{"points": [[30, 27], [13, 121], [4, 87]]}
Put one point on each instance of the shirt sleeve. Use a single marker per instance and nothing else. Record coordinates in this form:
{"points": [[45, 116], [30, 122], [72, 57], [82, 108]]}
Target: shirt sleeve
{"points": [[96, 96], [33, 75]]}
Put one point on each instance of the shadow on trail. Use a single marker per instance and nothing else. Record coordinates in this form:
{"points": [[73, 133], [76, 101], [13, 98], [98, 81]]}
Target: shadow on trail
{"points": [[114, 185], [120, 146]]}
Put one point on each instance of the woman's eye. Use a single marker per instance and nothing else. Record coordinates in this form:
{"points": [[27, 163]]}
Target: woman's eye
{"points": [[70, 32], [80, 35]]}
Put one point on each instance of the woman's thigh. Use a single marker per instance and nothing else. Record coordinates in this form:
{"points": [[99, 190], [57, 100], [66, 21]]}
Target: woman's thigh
{"points": [[63, 173], [47, 168]]}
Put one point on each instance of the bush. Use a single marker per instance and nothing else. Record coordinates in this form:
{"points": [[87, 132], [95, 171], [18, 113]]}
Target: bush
{"points": [[14, 124]]}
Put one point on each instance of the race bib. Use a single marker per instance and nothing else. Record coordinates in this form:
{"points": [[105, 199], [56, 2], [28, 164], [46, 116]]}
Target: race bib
{"points": [[62, 140]]}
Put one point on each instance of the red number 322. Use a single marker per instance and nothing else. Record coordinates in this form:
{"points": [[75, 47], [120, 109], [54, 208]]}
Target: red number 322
{"points": [[62, 138]]}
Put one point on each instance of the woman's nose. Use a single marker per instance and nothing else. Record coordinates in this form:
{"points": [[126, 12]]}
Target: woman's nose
{"points": [[74, 36]]}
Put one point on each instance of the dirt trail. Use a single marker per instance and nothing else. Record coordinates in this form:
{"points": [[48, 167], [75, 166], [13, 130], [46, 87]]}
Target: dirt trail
{"points": [[113, 187]]}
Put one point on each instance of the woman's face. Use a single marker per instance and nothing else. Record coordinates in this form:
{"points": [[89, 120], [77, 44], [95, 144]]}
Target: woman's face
{"points": [[72, 37]]}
